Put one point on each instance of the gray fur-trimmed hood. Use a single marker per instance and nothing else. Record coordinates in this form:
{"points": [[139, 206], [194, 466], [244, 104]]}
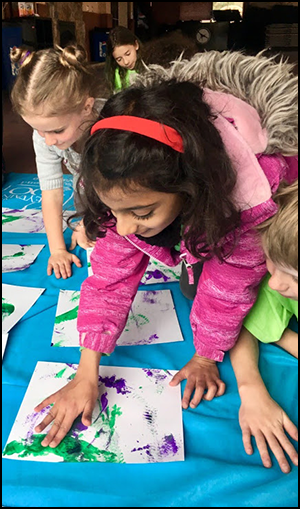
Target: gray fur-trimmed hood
{"points": [[270, 87]]}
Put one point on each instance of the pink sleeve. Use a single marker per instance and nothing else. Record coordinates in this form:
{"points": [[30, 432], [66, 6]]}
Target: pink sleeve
{"points": [[106, 297], [226, 292]]}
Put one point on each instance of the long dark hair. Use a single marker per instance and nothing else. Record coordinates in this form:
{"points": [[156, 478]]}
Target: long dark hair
{"points": [[120, 36], [203, 175]]}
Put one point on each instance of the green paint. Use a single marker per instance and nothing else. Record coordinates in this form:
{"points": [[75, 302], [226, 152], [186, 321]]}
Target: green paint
{"points": [[60, 373], [10, 219], [72, 376], [16, 255], [67, 316], [7, 309], [69, 449], [75, 296], [138, 319], [89, 264], [59, 343], [110, 420], [166, 269]]}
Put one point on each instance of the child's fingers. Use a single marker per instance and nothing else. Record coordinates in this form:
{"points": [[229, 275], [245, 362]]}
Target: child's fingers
{"points": [[211, 391], [287, 446], [48, 419], [57, 428], [45, 402], [177, 378], [56, 269], [199, 391], [278, 453], [189, 389], [290, 427], [87, 413], [49, 269], [221, 388], [76, 260], [263, 449], [246, 436]]}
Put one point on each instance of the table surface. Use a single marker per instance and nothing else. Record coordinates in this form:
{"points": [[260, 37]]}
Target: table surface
{"points": [[216, 471]]}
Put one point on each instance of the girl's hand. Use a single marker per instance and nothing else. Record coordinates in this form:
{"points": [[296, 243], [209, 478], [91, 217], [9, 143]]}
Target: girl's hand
{"points": [[79, 237], [201, 374], [60, 262], [79, 395], [263, 418]]}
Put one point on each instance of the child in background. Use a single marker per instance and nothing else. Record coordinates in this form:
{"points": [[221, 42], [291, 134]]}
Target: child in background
{"points": [[268, 322], [56, 93], [172, 163], [123, 58]]}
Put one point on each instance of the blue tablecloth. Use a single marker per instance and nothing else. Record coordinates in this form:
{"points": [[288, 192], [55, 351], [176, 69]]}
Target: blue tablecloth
{"points": [[216, 471]]}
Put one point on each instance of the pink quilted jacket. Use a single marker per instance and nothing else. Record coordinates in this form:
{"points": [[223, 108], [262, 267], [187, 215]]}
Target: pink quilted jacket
{"points": [[226, 291]]}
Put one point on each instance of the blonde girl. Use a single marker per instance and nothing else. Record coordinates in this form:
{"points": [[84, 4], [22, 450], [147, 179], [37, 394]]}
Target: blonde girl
{"points": [[56, 93]]}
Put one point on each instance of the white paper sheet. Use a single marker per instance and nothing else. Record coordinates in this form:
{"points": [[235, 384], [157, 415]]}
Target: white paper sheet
{"points": [[151, 320], [156, 271], [16, 301], [19, 257], [4, 342], [26, 220], [137, 418]]}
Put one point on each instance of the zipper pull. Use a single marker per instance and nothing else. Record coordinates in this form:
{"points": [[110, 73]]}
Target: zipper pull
{"points": [[189, 269]]}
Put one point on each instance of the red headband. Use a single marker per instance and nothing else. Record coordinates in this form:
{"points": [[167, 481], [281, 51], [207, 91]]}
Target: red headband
{"points": [[150, 128]]}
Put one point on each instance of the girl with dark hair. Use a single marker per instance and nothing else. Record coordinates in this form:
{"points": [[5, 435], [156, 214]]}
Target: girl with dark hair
{"points": [[176, 171], [123, 58]]}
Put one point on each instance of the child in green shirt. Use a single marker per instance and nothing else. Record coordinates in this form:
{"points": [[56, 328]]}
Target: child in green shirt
{"points": [[268, 322], [123, 58]]}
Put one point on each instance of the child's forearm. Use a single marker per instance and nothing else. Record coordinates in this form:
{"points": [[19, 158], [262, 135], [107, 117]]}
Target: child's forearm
{"points": [[89, 364], [244, 359], [52, 202], [289, 342]]}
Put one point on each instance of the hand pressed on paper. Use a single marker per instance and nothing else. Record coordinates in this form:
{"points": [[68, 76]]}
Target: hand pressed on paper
{"points": [[60, 262], [79, 237], [201, 374], [263, 418], [78, 396]]}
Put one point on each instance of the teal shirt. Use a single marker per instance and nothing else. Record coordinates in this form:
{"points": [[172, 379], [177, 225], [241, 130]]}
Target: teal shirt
{"points": [[270, 314], [118, 84]]}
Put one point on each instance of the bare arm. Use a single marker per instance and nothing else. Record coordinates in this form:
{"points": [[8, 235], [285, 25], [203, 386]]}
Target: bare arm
{"points": [[289, 342], [60, 260], [79, 395], [52, 207], [259, 414]]}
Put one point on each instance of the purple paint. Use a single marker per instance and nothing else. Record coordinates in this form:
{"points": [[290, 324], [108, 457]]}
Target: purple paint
{"points": [[119, 384], [146, 447], [34, 419], [168, 446], [148, 372], [156, 274], [150, 297], [155, 374], [104, 402]]}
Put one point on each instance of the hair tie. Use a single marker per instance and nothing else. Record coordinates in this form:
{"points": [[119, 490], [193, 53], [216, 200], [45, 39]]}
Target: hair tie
{"points": [[24, 57], [144, 126]]}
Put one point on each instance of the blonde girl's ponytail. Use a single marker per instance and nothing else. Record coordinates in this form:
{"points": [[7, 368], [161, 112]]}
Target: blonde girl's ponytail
{"points": [[20, 56], [54, 81], [73, 56]]}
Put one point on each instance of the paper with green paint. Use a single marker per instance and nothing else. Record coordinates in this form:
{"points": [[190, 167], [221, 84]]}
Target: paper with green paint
{"points": [[156, 271], [16, 301], [19, 257], [4, 341], [137, 418], [27, 220], [152, 319]]}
